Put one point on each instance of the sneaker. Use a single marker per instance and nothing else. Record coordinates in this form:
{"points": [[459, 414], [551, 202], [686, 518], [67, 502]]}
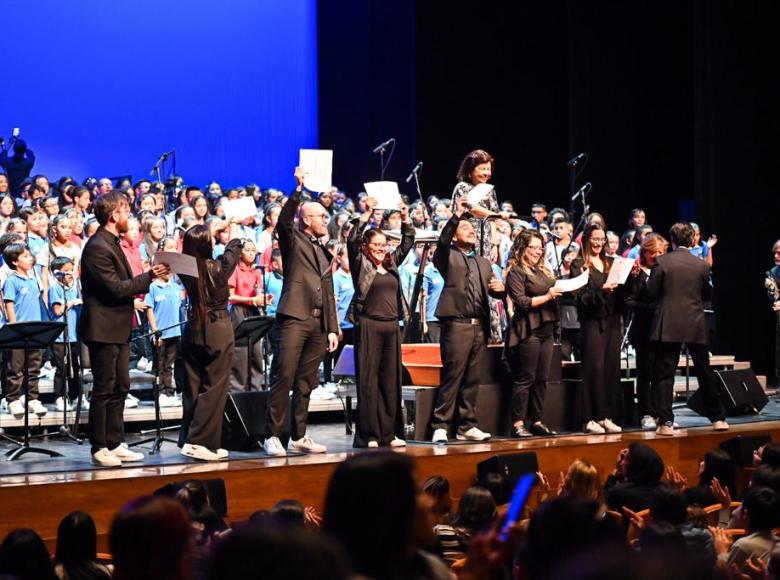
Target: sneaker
{"points": [[167, 401], [273, 447], [307, 445], [648, 423], [105, 458], [16, 408], [222, 453], [594, 428], [62, 404], [142, 364], [397, 442], [332, 387], [520, 432], [373, 445], [84, 404], [667, 429], [610, 427], [322, 394], [473, 434], [720, 425], [37, 407], [131, 402], [199, 452], [439, 436], [123, 453]]}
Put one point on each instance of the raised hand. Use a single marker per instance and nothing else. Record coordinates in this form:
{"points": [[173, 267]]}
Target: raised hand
{"points": [[722, 540], [721, 493], [675, 478], [298, 174]]}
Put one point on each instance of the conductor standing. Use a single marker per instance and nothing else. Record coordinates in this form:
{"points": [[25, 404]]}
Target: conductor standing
{"points": [[305, 318]]}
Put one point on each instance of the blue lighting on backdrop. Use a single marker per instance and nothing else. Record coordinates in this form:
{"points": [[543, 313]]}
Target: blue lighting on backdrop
{"points": [[103, 87]]}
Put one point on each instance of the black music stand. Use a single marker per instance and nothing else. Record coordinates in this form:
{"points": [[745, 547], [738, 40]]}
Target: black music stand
{"points": [[29, 336], [247, 333]]}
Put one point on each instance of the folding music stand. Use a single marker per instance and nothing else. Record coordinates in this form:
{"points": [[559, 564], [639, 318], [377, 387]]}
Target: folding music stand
{"points": [[247, 333], [28, 336]]}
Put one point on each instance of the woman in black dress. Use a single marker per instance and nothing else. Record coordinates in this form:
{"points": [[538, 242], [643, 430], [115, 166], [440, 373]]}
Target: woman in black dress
{"points": [[377, 307], [529, 345], [599, 307]]}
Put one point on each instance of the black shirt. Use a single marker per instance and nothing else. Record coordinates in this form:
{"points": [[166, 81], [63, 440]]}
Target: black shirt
{"points": [[217, 291], [382, 298], [323, 264], [476, 304]]}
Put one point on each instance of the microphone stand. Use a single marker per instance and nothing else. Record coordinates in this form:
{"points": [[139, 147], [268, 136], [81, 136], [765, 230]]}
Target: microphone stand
{"points": [[382, 165]]}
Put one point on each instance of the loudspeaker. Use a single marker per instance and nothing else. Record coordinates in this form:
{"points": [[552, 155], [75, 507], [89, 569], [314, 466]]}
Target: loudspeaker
{"points": [[740, 393], [244, 422], [510, 467], [741, 448]]}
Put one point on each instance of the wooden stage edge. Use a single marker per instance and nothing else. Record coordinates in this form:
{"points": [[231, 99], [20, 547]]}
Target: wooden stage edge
{"points": [[39, 501]]}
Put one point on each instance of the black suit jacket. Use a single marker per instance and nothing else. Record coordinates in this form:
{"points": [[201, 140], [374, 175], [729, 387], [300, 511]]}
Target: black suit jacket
{"points": [[679, 283], [303, 281], [108, 287], [452, 264]]}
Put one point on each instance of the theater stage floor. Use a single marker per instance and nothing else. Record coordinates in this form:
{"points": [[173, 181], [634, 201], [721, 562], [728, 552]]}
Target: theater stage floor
{"points": [[37, 491]]}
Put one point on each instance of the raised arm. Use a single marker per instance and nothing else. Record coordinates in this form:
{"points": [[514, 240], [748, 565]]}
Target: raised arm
{"points": [[407, 237], [441, 257], [286, 221]]}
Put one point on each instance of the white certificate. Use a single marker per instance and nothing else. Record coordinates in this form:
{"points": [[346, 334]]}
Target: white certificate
{"points": [[317, 166], [178, 263], [385, 192], [621, 268], [477, 194], [241, 208], [572, 284]]}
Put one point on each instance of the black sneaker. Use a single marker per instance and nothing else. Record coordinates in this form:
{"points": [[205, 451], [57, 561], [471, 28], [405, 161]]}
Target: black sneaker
{"points": [[542, 430], [520, 432]]}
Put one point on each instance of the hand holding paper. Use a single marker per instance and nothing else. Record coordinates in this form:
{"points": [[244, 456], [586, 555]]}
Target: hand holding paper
{"points": [[385, 192], [317, 167], [477, 195], [618, 273], [572, 284], [178, 263]]}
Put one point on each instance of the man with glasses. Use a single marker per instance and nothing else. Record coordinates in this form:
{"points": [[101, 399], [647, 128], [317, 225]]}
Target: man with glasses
{"points": [[538, 215], [306, 321]]}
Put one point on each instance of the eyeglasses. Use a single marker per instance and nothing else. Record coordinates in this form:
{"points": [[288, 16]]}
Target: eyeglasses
{"points": [[378, 246], [539, 247], [320, 216]]}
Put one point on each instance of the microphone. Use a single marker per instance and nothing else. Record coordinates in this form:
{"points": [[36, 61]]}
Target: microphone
{"points": [[553, 235], [415, 170], [383, 146], [582, 191], [576, 159], [162, 158]]}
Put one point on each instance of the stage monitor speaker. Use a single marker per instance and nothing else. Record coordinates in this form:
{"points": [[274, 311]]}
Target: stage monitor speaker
{"points": [[740, 393], [741, 448], [244, 422], [510, 467]]}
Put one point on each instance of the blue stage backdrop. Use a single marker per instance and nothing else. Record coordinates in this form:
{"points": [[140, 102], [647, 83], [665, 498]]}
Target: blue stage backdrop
{"points": [[102, 88]]}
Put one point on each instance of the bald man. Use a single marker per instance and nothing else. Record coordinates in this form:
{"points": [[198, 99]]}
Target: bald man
{"points": [[306, 321]]}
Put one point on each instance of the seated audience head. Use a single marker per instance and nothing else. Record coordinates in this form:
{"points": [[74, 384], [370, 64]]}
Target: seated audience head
{"points": [[582, 481], [77, 547], [643, 465], [770, 455], [288, 512], [23, 556], [766, 476], [438, 487], [668, 504], [762, 509], [717, 464], [476, 510]]}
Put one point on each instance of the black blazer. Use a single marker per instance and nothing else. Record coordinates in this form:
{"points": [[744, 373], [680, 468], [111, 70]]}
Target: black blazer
{"points": [[302, 279], [452, 264], [643, 310], [680, 284], [108, 288], [522, 287]]}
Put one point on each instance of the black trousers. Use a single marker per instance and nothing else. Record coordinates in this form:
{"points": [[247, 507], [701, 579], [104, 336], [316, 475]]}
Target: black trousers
{"points": [[208, 354], [666, 360], [378, 372], [530, 363], [15, 373], [110, 385], [165, 356], [600, 343], [433, 335], [239, 376], [74, 383], [645, 357], [302, 346], [463, 348]]}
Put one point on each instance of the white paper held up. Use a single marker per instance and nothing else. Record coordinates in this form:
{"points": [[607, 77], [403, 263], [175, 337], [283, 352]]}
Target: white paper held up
{"points": [[385, 192], [241, 208], [317, 166], [621, 268], [572, 284], [178, 263], [477, 194]]}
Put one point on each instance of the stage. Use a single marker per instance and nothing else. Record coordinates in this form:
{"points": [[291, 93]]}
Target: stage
{"points": [[37, 491]]}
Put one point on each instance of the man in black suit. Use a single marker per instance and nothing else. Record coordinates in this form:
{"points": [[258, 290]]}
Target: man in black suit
{"points": [[464, 315], [108, 287], [680, 285], [306, 320]]}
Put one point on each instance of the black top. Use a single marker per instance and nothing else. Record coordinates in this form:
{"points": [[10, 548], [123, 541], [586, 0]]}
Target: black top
{"points": [[217, 291], [522, 286], [594, 303], [475, 307], [382, 298]]}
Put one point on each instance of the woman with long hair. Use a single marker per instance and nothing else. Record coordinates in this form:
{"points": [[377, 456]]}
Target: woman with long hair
{"points": [[599, 308], [76, 556], [717, 464], [378, 305], [207, 343], [529, 345], [582, 481], [153, 232]]}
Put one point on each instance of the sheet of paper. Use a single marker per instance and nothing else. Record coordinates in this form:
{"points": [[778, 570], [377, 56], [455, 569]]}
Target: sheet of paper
{"points": [[420, 236], [242, 208], [572, 284], [386, 194], [478, 193], [178, 263], [621, 268], [317, 165]]}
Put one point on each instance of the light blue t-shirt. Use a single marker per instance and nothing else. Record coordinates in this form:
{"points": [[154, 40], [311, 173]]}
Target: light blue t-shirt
{"points": [[165, 300], [26, 295], [344, 290], [58, 294], [433, 284], [273, 286]]}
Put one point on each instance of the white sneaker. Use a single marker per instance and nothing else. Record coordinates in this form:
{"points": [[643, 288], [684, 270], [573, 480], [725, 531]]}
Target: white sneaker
{"points": [[473, 434], [16, 408], [84, 404], [397, 442], [62, 404], [307, 445], [322, 394], [167, 401], [37, 407], [123, 453], [332, 387], [594, 428], [199, 452], [273, 447], [648, 423], [610, 427], [131, 402], [222, 453], [439, 436], [373, 445], [105, 458], [720, 425], [142, 364]]}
